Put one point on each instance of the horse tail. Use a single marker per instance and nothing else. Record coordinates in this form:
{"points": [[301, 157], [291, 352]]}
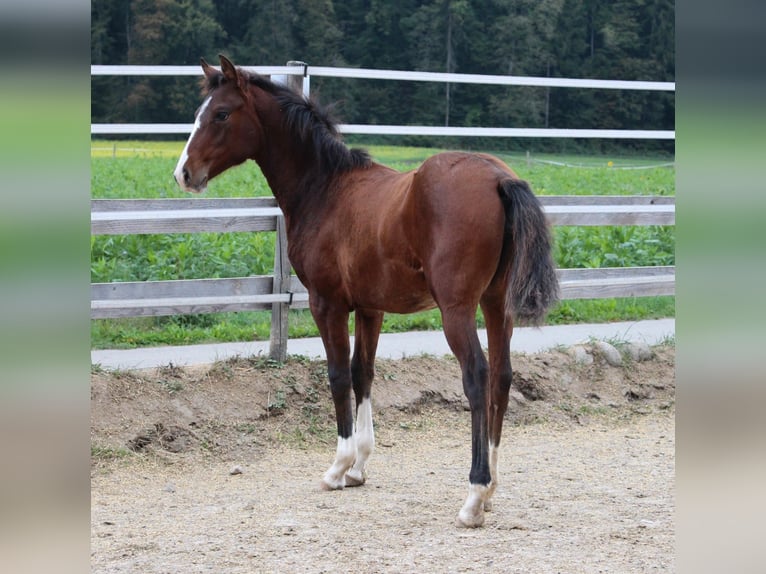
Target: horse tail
{"points": [[532, 285]]}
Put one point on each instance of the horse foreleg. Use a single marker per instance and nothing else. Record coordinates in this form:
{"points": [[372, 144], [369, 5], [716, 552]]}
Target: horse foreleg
{"points": [[333, 327], [364, 437], [345, 454], [362, 373]]}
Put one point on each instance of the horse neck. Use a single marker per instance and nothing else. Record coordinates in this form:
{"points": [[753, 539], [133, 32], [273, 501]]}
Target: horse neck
{"points": [[293, 171]]}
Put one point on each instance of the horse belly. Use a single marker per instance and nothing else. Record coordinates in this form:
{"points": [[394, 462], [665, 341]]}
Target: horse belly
{"points": [[400, 290]]}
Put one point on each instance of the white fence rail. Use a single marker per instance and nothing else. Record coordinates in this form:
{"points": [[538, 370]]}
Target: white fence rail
{"points": [[300, 69]]}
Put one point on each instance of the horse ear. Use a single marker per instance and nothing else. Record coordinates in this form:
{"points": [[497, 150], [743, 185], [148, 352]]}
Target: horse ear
{"points": [[208, 70], [230, 72]]}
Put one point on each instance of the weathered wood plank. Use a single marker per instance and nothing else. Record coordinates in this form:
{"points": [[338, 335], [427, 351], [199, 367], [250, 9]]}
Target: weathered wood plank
{"points": [[269, 201], [144, 307], [187, 288], [184, 221], [579, 274], [607, 287], [590, 215], [257, 285], [180, 203], [607, 199]]}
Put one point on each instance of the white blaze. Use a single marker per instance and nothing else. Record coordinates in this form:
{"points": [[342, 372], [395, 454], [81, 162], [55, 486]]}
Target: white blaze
{"points": [[179, 171]]}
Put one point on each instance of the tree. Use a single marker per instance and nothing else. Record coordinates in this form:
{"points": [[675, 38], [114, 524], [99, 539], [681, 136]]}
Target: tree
{"points": [[168, 32], [173, 31], [615, 39], [110, 20], [526, 39]]}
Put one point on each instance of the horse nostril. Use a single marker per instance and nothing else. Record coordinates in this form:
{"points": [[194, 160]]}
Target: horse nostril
{"points": [[187, 177]]}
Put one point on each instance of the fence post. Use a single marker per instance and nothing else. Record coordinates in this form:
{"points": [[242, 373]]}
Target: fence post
{"points": [[299, 84], [280, 311]]}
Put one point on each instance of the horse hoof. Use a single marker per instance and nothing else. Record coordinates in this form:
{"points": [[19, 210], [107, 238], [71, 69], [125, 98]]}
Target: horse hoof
{"points": [[324, 485], [487, 506], [469, 521], [355, 478]]}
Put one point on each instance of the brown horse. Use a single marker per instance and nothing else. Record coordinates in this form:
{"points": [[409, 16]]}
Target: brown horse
{"points": [[460, 231]]}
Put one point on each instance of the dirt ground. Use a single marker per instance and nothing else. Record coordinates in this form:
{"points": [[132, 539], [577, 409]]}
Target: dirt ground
{"points": [[218, 470]]}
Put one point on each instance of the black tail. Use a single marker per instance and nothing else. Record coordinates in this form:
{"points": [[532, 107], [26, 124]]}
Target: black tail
{"points": [[533, 285]]}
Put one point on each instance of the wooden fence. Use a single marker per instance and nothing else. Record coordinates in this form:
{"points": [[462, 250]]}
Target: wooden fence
{"points": [[282, 291]]}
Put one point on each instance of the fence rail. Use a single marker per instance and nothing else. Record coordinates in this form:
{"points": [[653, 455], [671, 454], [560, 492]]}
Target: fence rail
{"points": [[136, 216], [301, 69], [126, 129], [283, 291]]}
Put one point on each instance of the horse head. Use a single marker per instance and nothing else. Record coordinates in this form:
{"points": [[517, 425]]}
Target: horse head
{"points": [[226, 128]]}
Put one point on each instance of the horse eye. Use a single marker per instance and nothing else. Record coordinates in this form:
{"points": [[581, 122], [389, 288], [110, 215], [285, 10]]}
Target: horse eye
{"points": [[221, 116]]}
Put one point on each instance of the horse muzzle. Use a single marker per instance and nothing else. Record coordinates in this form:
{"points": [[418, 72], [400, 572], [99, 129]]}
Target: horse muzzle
{"points": [[189, 183]]}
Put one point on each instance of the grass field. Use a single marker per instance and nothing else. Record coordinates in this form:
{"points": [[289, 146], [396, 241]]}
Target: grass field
{"points": [[138, 169]]}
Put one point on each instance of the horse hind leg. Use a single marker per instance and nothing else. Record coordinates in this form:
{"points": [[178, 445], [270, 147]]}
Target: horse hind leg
{"points": [[335, 477], [460, 331], [362, 373], [499, 331]]}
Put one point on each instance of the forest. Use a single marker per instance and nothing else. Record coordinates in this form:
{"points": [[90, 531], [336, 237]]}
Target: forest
{"points": [[616, 39]]}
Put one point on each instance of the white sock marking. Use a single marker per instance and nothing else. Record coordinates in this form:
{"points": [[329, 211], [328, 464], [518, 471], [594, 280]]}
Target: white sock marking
{"points": [[335, 477], [493, 463], [365, 440], [493, 475], [472, 513], [179, 171]]}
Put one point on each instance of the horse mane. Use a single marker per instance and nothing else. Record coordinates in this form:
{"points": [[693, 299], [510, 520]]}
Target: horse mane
{"points": [[309, 123]]}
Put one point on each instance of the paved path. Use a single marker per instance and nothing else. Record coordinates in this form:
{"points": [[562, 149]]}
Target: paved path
{"points": [[393, 346]]}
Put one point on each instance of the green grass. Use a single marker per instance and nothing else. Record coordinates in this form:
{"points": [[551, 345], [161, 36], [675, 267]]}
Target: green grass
{"points": [[136, 169], [108, 453]]}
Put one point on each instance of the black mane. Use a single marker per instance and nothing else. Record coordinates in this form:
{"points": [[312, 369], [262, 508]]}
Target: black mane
{"points": [[309, 123]]}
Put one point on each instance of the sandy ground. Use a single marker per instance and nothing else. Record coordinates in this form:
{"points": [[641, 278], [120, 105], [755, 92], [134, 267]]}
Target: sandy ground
{"points": [[586, 471]]}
